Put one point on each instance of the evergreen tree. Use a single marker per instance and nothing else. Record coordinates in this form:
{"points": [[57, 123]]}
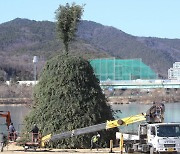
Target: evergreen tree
{"points": [[67, 97], [67, 19]]}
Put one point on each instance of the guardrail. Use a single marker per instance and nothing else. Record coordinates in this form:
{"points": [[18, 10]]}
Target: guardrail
{"points": [[138, 84]]}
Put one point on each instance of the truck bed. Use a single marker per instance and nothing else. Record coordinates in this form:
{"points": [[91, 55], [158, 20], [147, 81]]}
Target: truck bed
{"points": [[127, 136]]}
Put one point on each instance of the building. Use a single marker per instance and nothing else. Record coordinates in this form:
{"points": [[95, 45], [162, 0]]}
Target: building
{"points": [[174, 73], [121, 69]]}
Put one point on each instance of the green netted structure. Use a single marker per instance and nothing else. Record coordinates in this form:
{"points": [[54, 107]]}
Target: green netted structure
{"points": [[121, 69]]}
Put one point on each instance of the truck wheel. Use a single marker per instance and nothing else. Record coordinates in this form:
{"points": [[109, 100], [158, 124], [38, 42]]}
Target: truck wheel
{"points": [[1, 146], [25, 148], [2, 149], [128, 148], [151, 150], [135, 147]]}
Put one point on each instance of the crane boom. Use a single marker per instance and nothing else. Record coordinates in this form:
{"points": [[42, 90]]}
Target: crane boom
{"points": [[126, 121], [94, 128], [155, 113]]}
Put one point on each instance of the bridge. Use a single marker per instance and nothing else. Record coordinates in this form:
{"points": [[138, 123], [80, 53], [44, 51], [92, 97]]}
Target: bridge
{"points": [[139, 84], [126, 84]]}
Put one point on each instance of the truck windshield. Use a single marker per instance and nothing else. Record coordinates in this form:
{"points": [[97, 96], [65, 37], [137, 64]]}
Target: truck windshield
{"points": [[168, 130]]}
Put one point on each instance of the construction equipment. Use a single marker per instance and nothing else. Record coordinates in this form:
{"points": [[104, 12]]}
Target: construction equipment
{"points": [[153, 136], [32, 145], [110, 124], [94, 128], [3, 137], [6, 114], [12, 136], [90, 129]]}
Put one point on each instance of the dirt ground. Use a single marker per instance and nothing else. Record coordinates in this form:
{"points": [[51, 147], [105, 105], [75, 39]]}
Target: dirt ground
{"points": [[12, 148]]}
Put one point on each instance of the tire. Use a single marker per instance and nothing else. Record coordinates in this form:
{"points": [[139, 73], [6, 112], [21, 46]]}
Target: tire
{"points": [[1, 146], [2, 149], [145, 148], [128, 148], [151, 150], [135, 147]]}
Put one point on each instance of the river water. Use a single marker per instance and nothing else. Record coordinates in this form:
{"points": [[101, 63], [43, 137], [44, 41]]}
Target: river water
{"points": [[172, 113], [18, 112]]}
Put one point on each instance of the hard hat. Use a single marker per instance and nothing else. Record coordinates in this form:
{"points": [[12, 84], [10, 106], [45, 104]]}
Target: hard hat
{"points": [[98, 135]]}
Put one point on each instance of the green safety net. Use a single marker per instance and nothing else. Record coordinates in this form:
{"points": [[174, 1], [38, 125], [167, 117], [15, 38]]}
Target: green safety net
{"points": [[121, 69]]}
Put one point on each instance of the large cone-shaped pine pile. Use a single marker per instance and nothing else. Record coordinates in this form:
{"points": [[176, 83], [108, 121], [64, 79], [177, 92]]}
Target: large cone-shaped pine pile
{"points": [[67, 97]]}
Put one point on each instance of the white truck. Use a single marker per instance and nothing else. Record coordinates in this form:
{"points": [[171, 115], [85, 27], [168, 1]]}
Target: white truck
{"points": [[153, 138]]}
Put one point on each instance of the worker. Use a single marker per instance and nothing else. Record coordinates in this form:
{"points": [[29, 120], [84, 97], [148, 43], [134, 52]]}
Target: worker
{"points": [[12, 132], [155, 113], [149, 116], [35, 133], [162, 106], [2, 141], [94, 141]]}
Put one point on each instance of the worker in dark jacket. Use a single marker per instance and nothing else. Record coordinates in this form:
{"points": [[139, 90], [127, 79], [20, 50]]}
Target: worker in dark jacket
{"points": [[155, 113], [35, 133], [12, 132], [2, 141]]}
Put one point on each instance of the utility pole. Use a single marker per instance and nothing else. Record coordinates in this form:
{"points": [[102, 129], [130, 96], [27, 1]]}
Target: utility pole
{"points": [[35, 60]]}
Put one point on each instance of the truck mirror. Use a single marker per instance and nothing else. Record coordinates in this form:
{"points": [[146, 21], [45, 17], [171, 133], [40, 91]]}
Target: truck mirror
{"points": [[153, 131]]}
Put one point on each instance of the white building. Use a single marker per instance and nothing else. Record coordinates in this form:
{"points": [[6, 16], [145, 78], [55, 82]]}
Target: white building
{"points": [[27, 83], [174, 73]]}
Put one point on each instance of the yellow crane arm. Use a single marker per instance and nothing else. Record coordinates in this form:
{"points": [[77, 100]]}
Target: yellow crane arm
{"points": [[45, 139], [125, 121], [93, 128]]}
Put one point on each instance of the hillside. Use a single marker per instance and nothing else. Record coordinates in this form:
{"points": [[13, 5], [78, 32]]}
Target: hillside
{"points": [[120, 44], [21, 39]]}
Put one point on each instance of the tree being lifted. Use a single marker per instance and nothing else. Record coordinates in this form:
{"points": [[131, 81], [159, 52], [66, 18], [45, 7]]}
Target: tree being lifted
{"points": [[67, 97], [68, 18]]}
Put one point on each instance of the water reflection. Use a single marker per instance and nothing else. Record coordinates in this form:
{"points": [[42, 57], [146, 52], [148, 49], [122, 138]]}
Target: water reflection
{"points": [[18, 112]]}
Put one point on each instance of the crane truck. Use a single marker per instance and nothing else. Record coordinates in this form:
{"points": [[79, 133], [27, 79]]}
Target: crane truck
{"points": [[151, 137], [94, 128]]}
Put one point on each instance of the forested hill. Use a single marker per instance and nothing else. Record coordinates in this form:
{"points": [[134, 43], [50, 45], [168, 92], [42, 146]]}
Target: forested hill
{"points": [[20, 39]]}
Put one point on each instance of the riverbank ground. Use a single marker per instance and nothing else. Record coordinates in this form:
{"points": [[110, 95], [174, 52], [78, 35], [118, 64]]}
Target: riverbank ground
{"points": [[12, 148]]}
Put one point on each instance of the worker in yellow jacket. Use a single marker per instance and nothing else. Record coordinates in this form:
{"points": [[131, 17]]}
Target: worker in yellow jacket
{"points": [[94, 141]]}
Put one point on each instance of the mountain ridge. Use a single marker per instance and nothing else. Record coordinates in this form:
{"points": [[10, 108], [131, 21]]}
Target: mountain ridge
{"points": [[21, 37]]}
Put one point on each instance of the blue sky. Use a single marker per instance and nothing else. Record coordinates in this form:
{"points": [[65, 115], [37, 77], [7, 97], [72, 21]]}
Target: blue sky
{"points": [[155, 18]]}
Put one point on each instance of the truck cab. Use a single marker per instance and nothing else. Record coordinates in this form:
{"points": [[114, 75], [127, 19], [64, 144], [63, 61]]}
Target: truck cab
{"points": [[153, 138], [163, 137]]}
